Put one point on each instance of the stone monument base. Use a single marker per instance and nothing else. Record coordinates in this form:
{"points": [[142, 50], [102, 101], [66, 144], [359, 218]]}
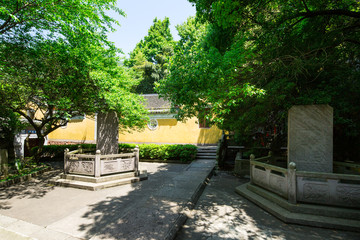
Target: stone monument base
{"points": [[301, 213], [98, 183]]}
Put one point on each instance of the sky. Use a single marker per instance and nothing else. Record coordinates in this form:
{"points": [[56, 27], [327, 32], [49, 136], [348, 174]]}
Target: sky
{"points": [[140, 15]]}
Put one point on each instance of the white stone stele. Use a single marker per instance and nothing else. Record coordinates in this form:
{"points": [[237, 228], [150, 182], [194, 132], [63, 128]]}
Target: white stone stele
{"points": [[310, 138]]}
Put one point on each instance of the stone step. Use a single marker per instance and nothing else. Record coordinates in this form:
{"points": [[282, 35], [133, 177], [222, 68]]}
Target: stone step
{"points": [[205, 157], [300, 218], [91, 179], [100, 185], [16, 229], [207, 148], [206, 153], [327, 211]]}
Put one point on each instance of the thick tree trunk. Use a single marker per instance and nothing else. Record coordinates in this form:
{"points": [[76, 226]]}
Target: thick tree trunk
{"points": [[37, 155], [107, 133], [11, 148]]}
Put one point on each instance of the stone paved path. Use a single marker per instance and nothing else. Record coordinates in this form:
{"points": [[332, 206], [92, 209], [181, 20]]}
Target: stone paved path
{"points": [[151, 209], [223, 214]]}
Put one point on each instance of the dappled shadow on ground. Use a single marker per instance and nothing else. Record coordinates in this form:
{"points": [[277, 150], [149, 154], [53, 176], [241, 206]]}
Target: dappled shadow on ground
{"points": [[223, 214], [37, 187], [138, 215]]}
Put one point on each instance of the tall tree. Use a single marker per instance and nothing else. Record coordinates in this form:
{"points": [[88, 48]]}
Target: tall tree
{"points": [[55, 59], [201, 77], [57, 82], [261, 57], [75, 20], [151, 55]]}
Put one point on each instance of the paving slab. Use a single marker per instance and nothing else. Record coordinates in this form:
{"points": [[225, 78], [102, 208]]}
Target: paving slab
{"points": [[11, 235], [152, 209], [221, 213]]}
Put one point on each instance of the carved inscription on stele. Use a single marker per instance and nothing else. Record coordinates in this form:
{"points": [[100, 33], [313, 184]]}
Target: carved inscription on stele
{"points": [[310, 137]]}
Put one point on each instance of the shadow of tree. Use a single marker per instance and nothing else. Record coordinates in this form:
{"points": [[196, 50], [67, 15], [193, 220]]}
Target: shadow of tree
{"points": [[144, 213], [223, 214], [37, 187]]}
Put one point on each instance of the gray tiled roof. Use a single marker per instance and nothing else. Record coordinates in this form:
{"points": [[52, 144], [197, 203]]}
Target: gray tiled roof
{"points": [[155, 103]]}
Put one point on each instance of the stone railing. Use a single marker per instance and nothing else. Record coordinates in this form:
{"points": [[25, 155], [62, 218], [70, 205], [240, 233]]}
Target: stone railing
{"points": [[308, 187], [275, 179], [347, 168], [328, 188], [83, 163]]}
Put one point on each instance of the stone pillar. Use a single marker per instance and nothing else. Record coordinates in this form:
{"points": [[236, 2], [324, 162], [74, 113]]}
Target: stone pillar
{"points": [[66, 168], [97, 164], [137, 158], [310, 138], [252, 158], [291, 184], [107, 133], [242, 166]]}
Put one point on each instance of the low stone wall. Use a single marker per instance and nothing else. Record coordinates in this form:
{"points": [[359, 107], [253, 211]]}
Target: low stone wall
{"points": [[24, 178], [242, 166], [308, 187], [347, 168], [328, 188], [275, 179], [78, 162], [68, 142]]}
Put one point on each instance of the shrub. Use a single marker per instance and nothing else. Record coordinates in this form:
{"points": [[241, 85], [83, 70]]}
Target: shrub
{"points": [[57, 151], [183, 153], [164, 152]]}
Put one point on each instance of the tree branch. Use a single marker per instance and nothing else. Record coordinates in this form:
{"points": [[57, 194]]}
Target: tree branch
{"points": [[338, 12], [306, 7], [352, 41]]}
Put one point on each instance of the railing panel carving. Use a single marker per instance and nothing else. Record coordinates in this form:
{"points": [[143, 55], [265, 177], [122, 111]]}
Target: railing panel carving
{"points": [[308, 187], [328, 189], [264, 176], [75, 162]]}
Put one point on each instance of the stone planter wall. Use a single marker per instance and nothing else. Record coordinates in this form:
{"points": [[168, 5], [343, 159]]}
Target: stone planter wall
{"points": [[77, 162], [308, 187]]}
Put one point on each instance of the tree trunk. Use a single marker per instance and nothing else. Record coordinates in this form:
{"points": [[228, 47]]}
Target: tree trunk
{"points": [[107, 133], [37, 155], [11, 148]]}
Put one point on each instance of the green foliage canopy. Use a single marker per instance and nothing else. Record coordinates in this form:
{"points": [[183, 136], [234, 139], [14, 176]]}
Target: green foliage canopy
{"points": [[258, 58], [74, 20], [150, 57], [55, 59]]}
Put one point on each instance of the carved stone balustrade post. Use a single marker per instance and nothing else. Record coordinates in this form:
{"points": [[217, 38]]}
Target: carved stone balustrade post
{"points": [[137, 158], [291, 187], [252, 158], [80, 150], [66, 152], [97, 163]]}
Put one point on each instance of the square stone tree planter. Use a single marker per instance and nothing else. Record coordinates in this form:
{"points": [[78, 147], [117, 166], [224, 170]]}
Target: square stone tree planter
{"points": [[106, 168]]}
